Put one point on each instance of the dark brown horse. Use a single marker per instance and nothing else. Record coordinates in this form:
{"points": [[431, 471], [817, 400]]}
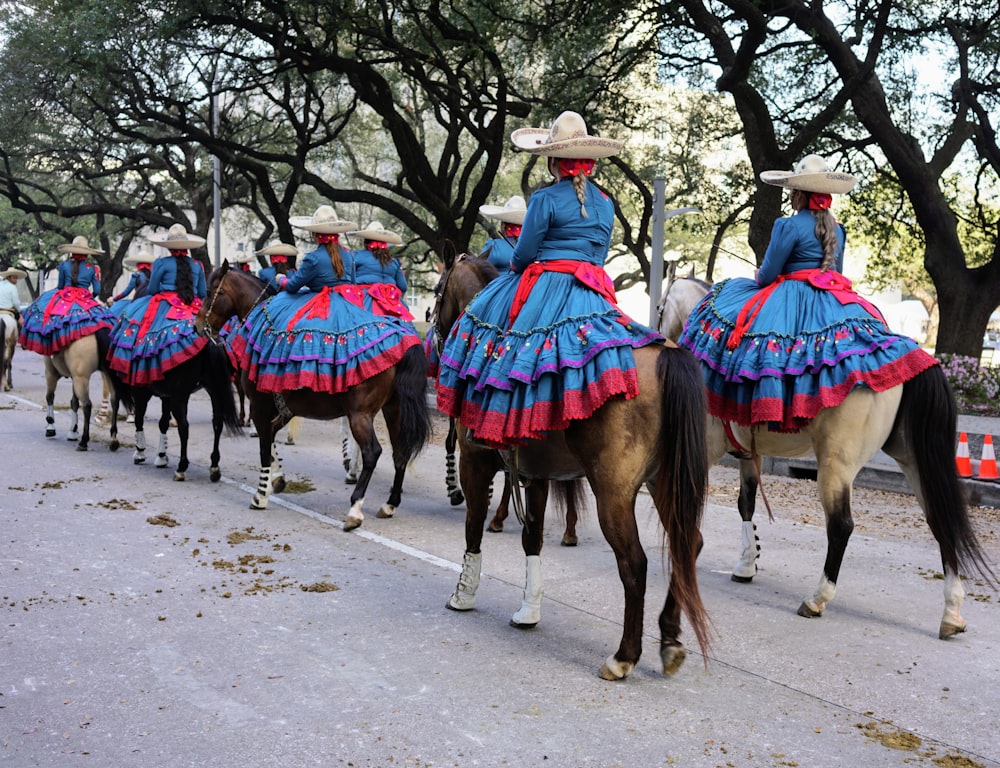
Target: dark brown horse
{"points": [[399, 392], [656, 438]]}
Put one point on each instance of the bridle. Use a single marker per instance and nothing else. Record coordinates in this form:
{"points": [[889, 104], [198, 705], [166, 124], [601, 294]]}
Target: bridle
{"points": [[207, 330], [439, 291]]}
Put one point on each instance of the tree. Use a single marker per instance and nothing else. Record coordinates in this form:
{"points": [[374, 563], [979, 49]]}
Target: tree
{"points": [[839, 79]]}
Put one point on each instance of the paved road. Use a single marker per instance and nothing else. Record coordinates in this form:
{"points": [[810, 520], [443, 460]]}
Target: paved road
{"points": [[148, 623]]}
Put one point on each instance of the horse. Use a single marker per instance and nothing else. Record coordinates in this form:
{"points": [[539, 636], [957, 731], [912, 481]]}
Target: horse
{"points": [[397, 391], [8, 343], [914, 423], [443, 316], [657, 438]]}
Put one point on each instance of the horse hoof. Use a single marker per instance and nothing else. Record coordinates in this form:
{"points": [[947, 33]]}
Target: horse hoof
{"points": [[50, 431], [138, 459], [672, 656], [72, 437], [385, 511], [495, 527], [950, 630], [289, 441], [612, 669], [215, 474], [179, 477], [741, 579], [808, 612], [351, 522], [569, 541], [456, 498], [278, 485], [115, 445], [161, 462], [81, 447], [256, 503], [351, 479]]}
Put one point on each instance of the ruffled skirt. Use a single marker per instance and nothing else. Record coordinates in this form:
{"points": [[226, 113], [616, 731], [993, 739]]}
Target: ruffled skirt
{"points": [[319, 341], [154, 335], [568, 351], [57, 318], [803, 352]]}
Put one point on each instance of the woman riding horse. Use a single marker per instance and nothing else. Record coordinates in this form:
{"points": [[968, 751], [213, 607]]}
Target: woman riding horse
{"points": [[499, 250]]}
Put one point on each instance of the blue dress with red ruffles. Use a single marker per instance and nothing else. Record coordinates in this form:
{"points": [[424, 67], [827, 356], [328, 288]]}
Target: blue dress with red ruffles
{"points": [[778, 349], [321, 338], [156, 332], [545, 344], [64, 314], [384, 285]]}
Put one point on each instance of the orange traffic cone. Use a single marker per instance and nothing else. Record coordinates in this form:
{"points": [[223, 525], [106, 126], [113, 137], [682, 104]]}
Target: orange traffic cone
{"points": [[962, 460], [988, 466]]}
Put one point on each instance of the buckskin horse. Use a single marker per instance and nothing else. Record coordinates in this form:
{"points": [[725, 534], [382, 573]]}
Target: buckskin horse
{"points": [[914, 423], [656, 438], [399, 392]]}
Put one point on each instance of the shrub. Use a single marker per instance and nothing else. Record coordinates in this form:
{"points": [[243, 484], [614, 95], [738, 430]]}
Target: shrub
{"points": [[976, 387]]}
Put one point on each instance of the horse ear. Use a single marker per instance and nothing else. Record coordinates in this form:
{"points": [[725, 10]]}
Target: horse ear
{"points": [[691, 276]]}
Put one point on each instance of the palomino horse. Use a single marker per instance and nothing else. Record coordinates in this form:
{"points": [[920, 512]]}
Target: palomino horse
{"points": [[656, 438], [913, 423], [8, 343], [446, 311], [398, 392]]}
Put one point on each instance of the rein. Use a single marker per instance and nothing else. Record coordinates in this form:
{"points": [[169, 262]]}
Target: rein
{"points": [[442, 288], [210, 333]]}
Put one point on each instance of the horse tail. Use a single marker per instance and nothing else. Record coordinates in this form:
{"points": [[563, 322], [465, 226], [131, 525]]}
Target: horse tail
{"points": [[682, 479], [119, 389], [217, 379], [928, 419], [410, 384]]}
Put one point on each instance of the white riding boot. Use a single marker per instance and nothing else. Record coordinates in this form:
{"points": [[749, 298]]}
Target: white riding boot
{"points": [[464, 596], [530, 612]]}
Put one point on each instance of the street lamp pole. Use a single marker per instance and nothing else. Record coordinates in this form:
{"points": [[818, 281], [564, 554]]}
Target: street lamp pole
{"points": [[660, 217]]}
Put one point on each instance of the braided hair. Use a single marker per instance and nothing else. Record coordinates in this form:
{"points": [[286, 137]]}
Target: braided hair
{"points": [[185, 276], [818, 205]]}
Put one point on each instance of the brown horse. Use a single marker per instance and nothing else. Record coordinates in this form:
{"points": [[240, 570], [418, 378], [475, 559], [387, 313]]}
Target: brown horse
{"points": [[914, 423], [656, 438], [398, 392]]}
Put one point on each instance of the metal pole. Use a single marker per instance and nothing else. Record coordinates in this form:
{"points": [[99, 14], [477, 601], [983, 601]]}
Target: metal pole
{"points": [[216, 184], [656, 256]]}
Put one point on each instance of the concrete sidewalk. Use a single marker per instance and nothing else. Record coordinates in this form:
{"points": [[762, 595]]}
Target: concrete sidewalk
{"points": [[883, 474]]}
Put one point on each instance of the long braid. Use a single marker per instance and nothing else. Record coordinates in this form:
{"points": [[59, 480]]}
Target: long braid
{"points": [[580, 185], [74, 271], [826, 228], [185, 277]]}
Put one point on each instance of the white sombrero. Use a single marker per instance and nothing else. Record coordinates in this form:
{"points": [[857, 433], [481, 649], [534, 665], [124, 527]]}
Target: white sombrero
{"points": [[278, 248], [511, 212], [12, 273], [567, 138], [324, 221], [811, 174], [176, 239], [375, 231], [143, 257], [79, 245]]}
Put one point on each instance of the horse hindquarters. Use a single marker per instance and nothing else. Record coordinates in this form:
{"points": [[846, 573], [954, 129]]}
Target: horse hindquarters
{"points": [[922, 443]]}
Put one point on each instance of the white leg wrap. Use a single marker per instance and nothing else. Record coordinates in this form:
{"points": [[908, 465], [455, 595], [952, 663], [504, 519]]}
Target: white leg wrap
{"points": [[140, 448], [530, 612], [74, 426], [263, 494], [746, 566], [161, 453], [952, 621], [464, 596], [823, 595]]}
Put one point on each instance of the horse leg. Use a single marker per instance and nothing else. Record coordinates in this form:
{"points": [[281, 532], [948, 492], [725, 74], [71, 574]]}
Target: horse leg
{"points": [[179, 409], [476, 468], [835, 496], [535, 497], [364, 432], [139, 419], [503, 506], [294, 425], [569, 538], [51, 379], [350, 452], [112, 415], [164, 425], [450, 471], [74, 417], [746, 567], [105, 409], [262, 411], [615, 511]]}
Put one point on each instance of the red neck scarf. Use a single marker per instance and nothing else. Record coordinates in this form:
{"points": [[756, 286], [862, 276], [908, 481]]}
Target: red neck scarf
{"points": [[819, 201], [570, 166], [512, 230], [324, 238]]}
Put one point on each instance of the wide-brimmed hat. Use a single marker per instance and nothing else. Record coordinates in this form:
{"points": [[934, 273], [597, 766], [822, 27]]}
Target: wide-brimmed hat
{"points": [[278, 248], [375, 231], [143, 257], [325, 221], [811, 174], [511, 212], [243, 257], [12, 273], [176, 239], [567, 137], [79, 245]]}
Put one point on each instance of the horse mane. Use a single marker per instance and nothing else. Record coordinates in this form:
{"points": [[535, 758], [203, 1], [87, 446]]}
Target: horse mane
{"points": [[483, 268]]}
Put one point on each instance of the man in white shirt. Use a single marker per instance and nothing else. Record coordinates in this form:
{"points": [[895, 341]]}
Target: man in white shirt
{"points": [[10, 300]]}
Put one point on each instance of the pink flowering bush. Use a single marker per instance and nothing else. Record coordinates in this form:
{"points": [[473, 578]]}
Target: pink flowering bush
{"points": [[976, 387]]}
